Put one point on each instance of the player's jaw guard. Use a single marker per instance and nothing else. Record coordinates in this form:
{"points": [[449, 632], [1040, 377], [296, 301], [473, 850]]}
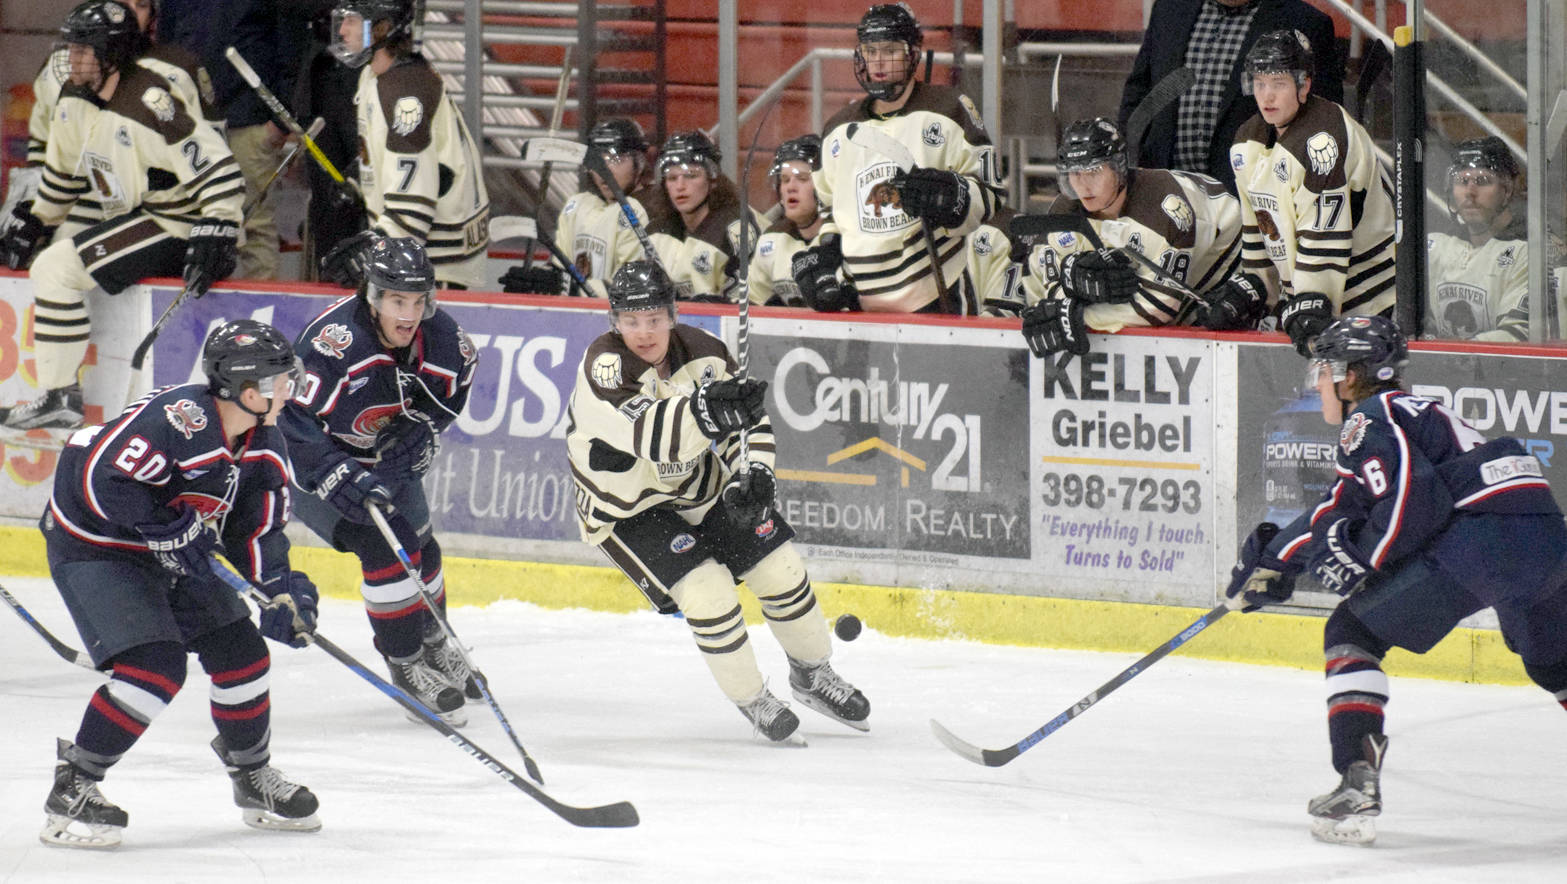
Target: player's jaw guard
{"points": [[888, 23]]}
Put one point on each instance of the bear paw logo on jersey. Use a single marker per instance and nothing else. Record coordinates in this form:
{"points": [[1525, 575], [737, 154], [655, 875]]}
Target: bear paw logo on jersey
{"points": [[407, 114], [160, 102], [682, 543], [186, 416], [1354, 432], [1323, 150], [606, 370], [1180, 212], [333, 340]]}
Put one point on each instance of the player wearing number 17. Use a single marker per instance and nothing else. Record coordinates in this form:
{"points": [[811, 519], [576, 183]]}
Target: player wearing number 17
{"points": [[1427, 523]]}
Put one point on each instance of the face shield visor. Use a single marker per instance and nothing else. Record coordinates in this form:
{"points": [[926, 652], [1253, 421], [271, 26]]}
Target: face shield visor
{"points": [[351, 43]]}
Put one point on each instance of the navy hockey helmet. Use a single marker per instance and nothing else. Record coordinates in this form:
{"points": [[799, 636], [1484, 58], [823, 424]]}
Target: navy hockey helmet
{"points": [[887, 23], [640, 285], [399, 264], [246, 351], [110, 29], [398, 14], [1087, 145], [1279, 52], [1373, 345], [806, 149], [692, 148]]}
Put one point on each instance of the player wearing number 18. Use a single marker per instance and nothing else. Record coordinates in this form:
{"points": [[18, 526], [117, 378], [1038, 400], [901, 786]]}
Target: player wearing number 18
{"points": [[1427, 523]]}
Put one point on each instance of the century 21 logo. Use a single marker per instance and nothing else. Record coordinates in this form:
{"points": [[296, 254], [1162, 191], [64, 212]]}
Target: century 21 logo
{"points": [[876, 401]]}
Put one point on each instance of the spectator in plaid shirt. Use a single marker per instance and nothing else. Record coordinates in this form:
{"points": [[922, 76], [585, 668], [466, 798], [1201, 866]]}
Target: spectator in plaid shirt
{"points": [[1212, 37]]}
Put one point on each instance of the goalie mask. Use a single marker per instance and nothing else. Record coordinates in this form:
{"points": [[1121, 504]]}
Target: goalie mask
{"points": [[1089, 145], [110, 30], [354, 25], [885, 24], [395, 264], [249, 352]]}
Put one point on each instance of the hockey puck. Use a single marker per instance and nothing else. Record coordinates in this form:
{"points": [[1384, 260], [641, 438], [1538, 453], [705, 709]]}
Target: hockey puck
{"points": [[847, 627]]}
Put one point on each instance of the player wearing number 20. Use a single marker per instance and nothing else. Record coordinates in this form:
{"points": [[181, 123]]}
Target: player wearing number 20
{"points": [[654, 442], [1426, 524]]}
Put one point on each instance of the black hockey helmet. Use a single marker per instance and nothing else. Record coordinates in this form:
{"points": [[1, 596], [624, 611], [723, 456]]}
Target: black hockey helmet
{"points": [[806, 149], [399, 15], [245, 350], [640, 285], [1284, 51], [399, 264], [888, 23], [618, 135], [692, 148], [1490, 153], [110, 28], [1373, 345], [1086, 145]]}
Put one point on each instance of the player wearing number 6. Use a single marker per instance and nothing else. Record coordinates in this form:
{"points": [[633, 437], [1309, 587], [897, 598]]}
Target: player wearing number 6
{"points": [[1427, 523]]}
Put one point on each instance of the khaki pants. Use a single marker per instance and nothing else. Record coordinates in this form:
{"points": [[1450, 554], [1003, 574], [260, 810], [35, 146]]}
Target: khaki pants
{"points": [[258, 255]]}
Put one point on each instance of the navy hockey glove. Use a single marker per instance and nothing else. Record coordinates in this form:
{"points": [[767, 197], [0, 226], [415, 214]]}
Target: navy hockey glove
{"points": [[533, 281], [1342, 569], [815, 272], [345, 264], [24, 237], [1259, 579], [347, 487], [290, 617], [1238, 303], [730, 405], [1304, 317], [183, 545], [748, 496], [935, 195], [211, 253], [406, 446], [1055, 326], [1104, 276]]}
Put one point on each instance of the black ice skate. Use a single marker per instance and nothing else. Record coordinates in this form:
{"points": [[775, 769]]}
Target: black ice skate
{"points": [[78, 814], [429, 687], [824, 690], [771, 716], [1344, 816], [266, 798], [442, 656], [57, 409]]}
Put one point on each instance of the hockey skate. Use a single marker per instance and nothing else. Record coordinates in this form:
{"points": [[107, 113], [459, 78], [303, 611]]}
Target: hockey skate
{"points": [[824, 690], [78, 814], [442, 655], [1345, 815], [266, 798], [771, 716], [57, 409], [429, 687]]}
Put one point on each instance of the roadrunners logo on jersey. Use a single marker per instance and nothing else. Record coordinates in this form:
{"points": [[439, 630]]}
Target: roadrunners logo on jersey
{"points": [[1180, 212], [465, 347], [186, 416], [1354, 432], [606, 370], [407, 114], [368, 423], [333, 340], [1323, 150], [160, 102], [932, 135]]}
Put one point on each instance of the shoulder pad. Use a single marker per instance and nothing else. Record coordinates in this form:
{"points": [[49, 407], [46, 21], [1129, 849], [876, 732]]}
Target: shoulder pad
{"points": [[147, 98], [409, 93], [1318, 139]]}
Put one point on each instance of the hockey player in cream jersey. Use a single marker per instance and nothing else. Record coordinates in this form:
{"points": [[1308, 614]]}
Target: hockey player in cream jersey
{"points": [[695, 213], [1479, 272], [770, 279], [871, 253], [1316, 205], [655, 447], [419, 169], [591, 229]]}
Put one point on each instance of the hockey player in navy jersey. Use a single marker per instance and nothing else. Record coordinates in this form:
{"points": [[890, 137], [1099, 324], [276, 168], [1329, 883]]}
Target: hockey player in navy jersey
{"points": [[1427, 523], [139, 506], [385, 372]]}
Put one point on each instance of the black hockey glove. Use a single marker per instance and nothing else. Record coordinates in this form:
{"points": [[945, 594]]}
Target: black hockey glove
{"points": [[815, 272], [348, 487], [345, 264], [748, 495], [24, 237], [1342, 568], [211, 254], [1054, 326], [1259, 579], [290, 617], [533, 281], [1303, 317], [406, 447], [730, 405], [1104, 276], [935, 195], [183, 545], [1238, 303]]}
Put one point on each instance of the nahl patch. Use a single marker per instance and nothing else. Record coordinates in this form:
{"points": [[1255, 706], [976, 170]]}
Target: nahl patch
{"points": [[407, 114], [1354, 432], [1180, 211], [333, 340], [606, 370], [682, 543], [186, 416], [1323, 150]]}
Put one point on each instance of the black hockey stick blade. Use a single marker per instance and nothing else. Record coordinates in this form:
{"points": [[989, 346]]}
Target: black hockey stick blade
{"points": [[1036, 226], [1163, 93], [998, 757], [66, 652]]}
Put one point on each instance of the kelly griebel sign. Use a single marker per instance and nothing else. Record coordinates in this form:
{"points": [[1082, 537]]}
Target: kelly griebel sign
{"points": [[886, 447], [1122, 450]]}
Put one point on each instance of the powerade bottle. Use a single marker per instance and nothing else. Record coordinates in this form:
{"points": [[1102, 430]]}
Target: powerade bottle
{"points": [[1297, 457]]}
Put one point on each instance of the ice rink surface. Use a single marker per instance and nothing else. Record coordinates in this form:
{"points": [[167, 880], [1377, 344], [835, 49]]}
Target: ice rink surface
{"points": [[1194, 771]]}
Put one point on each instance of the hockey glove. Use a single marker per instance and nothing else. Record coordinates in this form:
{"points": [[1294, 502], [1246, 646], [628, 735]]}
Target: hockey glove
{"points": [[1259, 579], [1342, 569], [24, 237], [406, 446], [748, 495], [532, 280], [345, 264], [211, 253], [290, 617], [1304, 317], [939, 197], [815, 272], [1104, 276], [347, 487], [730, 405], [183, 545], [1055, 326], [1237, 304]]}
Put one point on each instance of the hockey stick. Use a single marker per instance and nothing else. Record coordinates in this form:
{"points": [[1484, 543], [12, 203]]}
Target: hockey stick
{"points": [[743, 275], [555, 117], [880, 142], [288, 160], [451, 637], [621, 814], [1035, 226], [248, 74], [998, 757], [68, 653], [1163, 93], [572, 153], [139, 357], [504, 227]]}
